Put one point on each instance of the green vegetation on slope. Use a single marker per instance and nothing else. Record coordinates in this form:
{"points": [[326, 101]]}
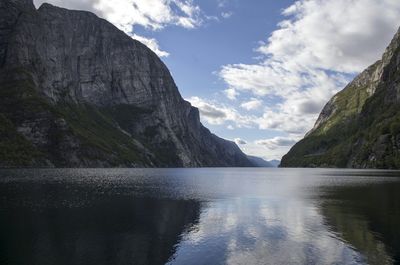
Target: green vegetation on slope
{"points": [[98, 135], [364, 128], [359, 134], [164, 149], [98, 131], [18, 102], [15, 150]]}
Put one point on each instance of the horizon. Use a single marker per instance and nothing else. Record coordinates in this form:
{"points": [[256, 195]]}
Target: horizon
{"points": [[256, 89]]}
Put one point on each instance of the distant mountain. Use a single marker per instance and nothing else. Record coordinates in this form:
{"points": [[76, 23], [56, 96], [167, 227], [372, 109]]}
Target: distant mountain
{"points": [[360, 126], [260, 162], [77, 92], [274, 163]]}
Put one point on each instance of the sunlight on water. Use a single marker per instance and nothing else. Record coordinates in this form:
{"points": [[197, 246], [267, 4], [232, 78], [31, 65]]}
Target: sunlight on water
{"points": [[199, 216]]}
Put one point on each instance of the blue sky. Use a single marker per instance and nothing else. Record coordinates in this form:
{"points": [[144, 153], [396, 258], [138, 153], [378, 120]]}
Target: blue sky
{"points": [[197, 54], [260, 71]]}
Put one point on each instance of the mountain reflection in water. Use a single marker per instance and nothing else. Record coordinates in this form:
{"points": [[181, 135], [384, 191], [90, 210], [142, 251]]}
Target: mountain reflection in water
{"points": [[367, 217], [199, 216]]}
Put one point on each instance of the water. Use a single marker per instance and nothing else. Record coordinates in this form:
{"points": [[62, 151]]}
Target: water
{"points": [[199, 216]]}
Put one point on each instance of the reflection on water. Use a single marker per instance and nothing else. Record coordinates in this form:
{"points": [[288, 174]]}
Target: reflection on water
{"points": [[252, 232], [367, 217], [199, 216]]}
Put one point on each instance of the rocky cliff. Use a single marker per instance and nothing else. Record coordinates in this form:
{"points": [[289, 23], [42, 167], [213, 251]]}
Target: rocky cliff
{"points": [[77, 92], [360, 126]]}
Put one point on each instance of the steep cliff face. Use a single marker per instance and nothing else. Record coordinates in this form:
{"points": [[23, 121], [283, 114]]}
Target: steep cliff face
{"points": [[360, 126], [77, 92]]}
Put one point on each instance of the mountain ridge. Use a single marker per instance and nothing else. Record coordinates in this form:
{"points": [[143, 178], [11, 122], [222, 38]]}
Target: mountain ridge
{"points": [[360, 126], [78, 92]]}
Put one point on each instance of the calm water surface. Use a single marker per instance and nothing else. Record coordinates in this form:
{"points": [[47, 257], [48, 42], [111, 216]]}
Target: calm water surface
{"points": [[199, 216]]}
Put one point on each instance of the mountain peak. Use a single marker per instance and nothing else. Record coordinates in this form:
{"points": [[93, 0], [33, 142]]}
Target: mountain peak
{"points": [[78, 92], [359, 126]]}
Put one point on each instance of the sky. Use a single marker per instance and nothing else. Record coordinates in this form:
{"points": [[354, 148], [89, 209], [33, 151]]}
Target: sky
{"points": [[260, 71]]}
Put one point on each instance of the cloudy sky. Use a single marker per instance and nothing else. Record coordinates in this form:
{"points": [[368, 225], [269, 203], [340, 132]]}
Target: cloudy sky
{"points": [[259, 71]]}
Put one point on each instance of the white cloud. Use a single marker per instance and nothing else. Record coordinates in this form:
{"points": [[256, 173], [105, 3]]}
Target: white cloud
{"points": [[239, 141], [261, 79], [254, 149], [222, 3], [337, 35], [273, 148], [87, 5], [218, 114], [152, 14], [226, 14], [276, 142], [285, 122], [311, 56], [152, 44], [253, 104], [231, 93]]}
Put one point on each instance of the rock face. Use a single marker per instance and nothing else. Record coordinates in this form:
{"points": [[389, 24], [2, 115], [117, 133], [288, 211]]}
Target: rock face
{"points": [[360, 126], [77, 92]]}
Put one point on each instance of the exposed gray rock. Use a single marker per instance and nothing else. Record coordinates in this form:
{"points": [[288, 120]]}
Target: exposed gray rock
{"points": [[86, 94]]}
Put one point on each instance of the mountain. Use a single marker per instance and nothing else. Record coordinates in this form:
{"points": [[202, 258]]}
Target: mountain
{"points": [[77, 92], [259, 162], [274, 163], [360, 126]]}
